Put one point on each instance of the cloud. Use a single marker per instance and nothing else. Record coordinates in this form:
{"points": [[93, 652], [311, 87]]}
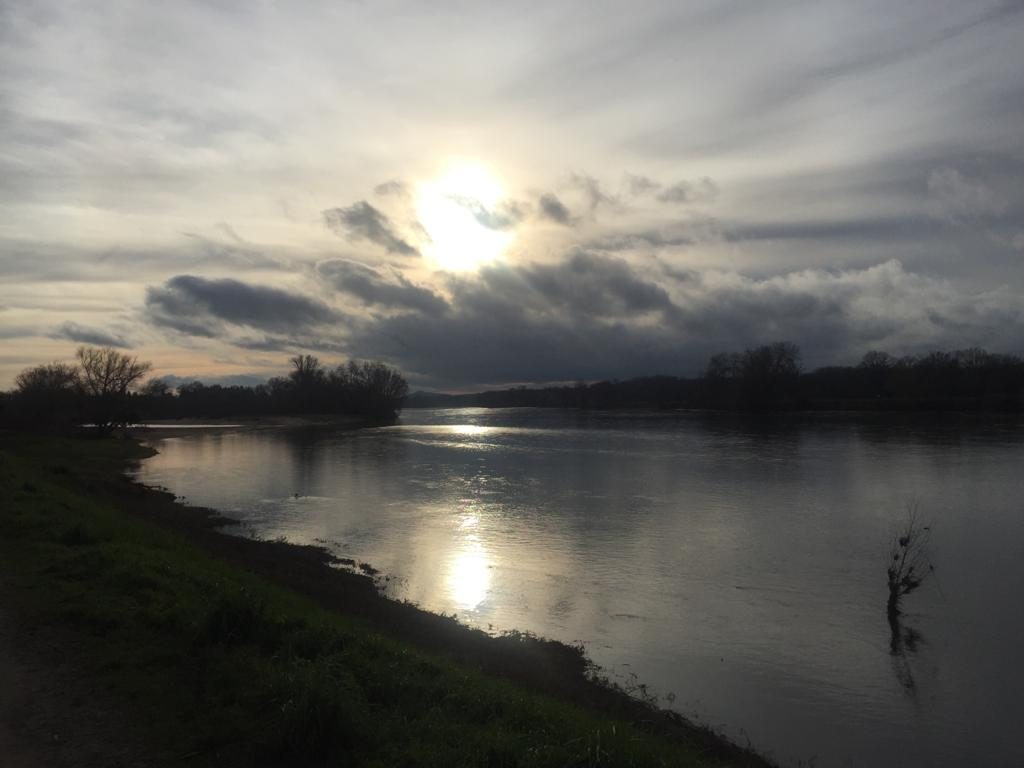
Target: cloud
{"points": [[17, 331], [959, 199], [595, 317], [701, 191], [641, 185], [86, 335], [236, 252], [552, 208], [369, 286], [627, 241], [394, 187], [198, 306], [40, 260], [362, 221], [589, 285], [505, 215], [875, 228], [591, 189]]}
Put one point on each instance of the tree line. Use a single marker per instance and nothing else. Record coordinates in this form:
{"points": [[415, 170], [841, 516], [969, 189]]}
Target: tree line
{"points": [[771, 378], [104, 388]]}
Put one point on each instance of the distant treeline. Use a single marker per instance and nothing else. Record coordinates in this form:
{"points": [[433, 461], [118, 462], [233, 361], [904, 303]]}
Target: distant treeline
{"points": [[104, 389], [369, 389], [770, 378]]}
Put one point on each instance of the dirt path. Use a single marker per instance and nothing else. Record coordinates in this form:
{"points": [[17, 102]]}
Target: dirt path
{"points": [[17, 749], [53, 717]]}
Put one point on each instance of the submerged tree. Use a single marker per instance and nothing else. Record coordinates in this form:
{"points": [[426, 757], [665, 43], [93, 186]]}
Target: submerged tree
{"points": [[908, 560]]}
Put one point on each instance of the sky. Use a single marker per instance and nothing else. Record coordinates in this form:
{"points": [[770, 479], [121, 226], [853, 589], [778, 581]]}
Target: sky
{"points": [[486, 194]]}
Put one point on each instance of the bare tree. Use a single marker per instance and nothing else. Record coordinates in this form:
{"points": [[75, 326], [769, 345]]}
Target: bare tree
{"points": [[49, 377], [388, 386], [306, 370], [107, 376], [371, 387], [105, 371], [47, 396], [875, 360], [908, 560], [156, 388]]}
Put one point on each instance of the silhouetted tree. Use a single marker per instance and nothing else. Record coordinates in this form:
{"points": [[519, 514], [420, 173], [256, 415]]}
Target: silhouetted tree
{"points": [[49, 377], [307, 381], [724, 366], [371, 388], [306, 371], [47, 396], [156, 388], [875, 360], [107, 376]]}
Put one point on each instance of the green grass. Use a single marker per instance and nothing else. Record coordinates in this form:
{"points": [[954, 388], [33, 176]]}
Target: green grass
{"points": [[229, 669]]}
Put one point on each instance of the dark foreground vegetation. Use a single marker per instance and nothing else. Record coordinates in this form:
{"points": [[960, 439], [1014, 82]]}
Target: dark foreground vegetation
{"points": [[771, 378], [105, 389], [208, 649]]}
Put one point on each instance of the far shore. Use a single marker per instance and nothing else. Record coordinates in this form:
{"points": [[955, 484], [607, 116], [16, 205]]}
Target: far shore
{"points": [[160, 428]]}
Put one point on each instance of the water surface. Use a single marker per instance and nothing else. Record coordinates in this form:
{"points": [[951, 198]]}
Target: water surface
{"points": [[735, 566]]}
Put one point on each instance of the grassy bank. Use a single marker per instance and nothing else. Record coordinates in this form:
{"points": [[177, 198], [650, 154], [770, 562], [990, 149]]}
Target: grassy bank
{"points": [[222, 650]]}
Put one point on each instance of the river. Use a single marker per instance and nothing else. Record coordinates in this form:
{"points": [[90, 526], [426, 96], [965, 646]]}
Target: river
{"points": [[734, 566]]}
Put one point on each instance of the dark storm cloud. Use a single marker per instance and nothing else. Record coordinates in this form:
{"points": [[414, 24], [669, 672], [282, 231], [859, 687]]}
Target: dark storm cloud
{"points": [[596, 317], [200, 307], [586, 284], [86, 335], [552, 208], [701, 191], [586, 316], [362, 221], [368, 285]]}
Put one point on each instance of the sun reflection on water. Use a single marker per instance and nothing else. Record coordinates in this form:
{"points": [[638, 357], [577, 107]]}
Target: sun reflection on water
{"points": [[469, 577], [469, 573], [470, 429]]}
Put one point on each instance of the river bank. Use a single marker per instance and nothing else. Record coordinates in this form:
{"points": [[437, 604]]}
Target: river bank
{"points": [[230, 648]]}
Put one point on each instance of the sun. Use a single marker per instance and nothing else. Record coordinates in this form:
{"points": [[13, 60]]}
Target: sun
{"points": [[460, 212]]}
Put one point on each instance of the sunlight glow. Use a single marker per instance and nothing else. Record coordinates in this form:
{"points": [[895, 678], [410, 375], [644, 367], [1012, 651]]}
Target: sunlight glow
{"points": [[472, 430], [461, 214], [469, 577]]}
